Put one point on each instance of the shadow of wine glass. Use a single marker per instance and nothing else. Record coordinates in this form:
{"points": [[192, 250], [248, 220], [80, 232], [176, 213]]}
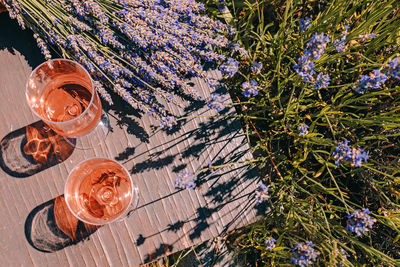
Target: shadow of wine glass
{"points": [[51, 226], [32, 149]]}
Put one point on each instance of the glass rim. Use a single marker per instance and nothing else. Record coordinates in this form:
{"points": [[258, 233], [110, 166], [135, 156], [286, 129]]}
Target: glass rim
{"points": [[135, 192], [68, 121]]}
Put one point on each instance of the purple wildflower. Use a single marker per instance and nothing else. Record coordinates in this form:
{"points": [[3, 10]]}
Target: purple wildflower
{"points": [[43, 46], [359, 221], [230, 67], [222, 6], [340, 44], [304, 23], [186, 180], [262, 193], [79, 24], [304, 254], [305, 68], [322, 81], [216, 101], [256, 67], [14, 11], [365, 37], [316, 47], [167, 122], [270, 243], [250, 88], [374, 80], [236, 48], [342, 253], [393, 66], [349, 154], [303, 129], [171, 40]]}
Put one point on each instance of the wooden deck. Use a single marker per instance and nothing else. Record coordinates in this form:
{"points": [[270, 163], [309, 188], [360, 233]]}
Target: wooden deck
{"points": [[167, 220]]}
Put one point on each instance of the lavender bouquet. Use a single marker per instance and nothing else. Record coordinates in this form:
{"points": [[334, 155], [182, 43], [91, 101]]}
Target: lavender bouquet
{"points": [[142, 50]]}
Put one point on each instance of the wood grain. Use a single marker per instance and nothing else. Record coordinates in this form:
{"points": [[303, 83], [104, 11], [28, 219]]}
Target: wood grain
{"points": [[167, 220]]}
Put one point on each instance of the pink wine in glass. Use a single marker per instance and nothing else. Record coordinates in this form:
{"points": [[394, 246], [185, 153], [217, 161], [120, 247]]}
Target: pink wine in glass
{"points": [[67, 100], [99, 191], [62, 94]]}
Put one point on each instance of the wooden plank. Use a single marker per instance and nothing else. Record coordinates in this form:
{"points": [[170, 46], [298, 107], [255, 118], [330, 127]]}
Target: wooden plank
{"points": [[167, 220]]}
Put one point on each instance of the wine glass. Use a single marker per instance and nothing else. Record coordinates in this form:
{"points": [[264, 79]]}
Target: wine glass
{"points": [[100, 191], [61, 92]]}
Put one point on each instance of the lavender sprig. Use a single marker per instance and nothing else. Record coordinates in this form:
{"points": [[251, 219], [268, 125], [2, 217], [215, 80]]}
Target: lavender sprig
{"points": [[141, 50]]}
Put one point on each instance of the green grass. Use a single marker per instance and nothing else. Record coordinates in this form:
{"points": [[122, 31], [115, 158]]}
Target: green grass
{"points": [[310, 195]]}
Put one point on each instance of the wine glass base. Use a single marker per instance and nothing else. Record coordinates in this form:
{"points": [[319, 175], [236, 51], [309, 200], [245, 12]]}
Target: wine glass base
{"points": [[95, 137]]}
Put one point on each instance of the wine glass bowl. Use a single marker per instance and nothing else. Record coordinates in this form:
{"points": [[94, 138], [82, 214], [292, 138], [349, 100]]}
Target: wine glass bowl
{"points": [[61, 92], [100, 191]]}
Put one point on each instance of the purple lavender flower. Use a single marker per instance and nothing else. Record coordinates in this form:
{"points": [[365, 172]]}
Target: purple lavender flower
{"points": [[342, 253], [186, 180], [222, 6], [304, 254], [365, 37], [393, 66], [360, 222], [340, 44], [171, 40], [236, 48], [14, 11], [270, 243], [303, 129], [230, 67], [250, 88], [304, 23], [43, 46], [262, 193], [79, 24], [316, 47], [374, 80], [322, 81], [349, 154], [305, 68], [256, 67], [167, 122], [216, 102]]}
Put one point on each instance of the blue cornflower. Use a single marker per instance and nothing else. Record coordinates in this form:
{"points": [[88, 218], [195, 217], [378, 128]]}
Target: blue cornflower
{"points": [[316, 47], [256, 67], [322, 81], [270, 243], [304, 254], [374, 80], [359, 221], [305, 68], [186, 180], [393, 66], [250, 88], [262, 193], [350, 154], [216, 101], [303, 129], [304, 23], [230, 67]]}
